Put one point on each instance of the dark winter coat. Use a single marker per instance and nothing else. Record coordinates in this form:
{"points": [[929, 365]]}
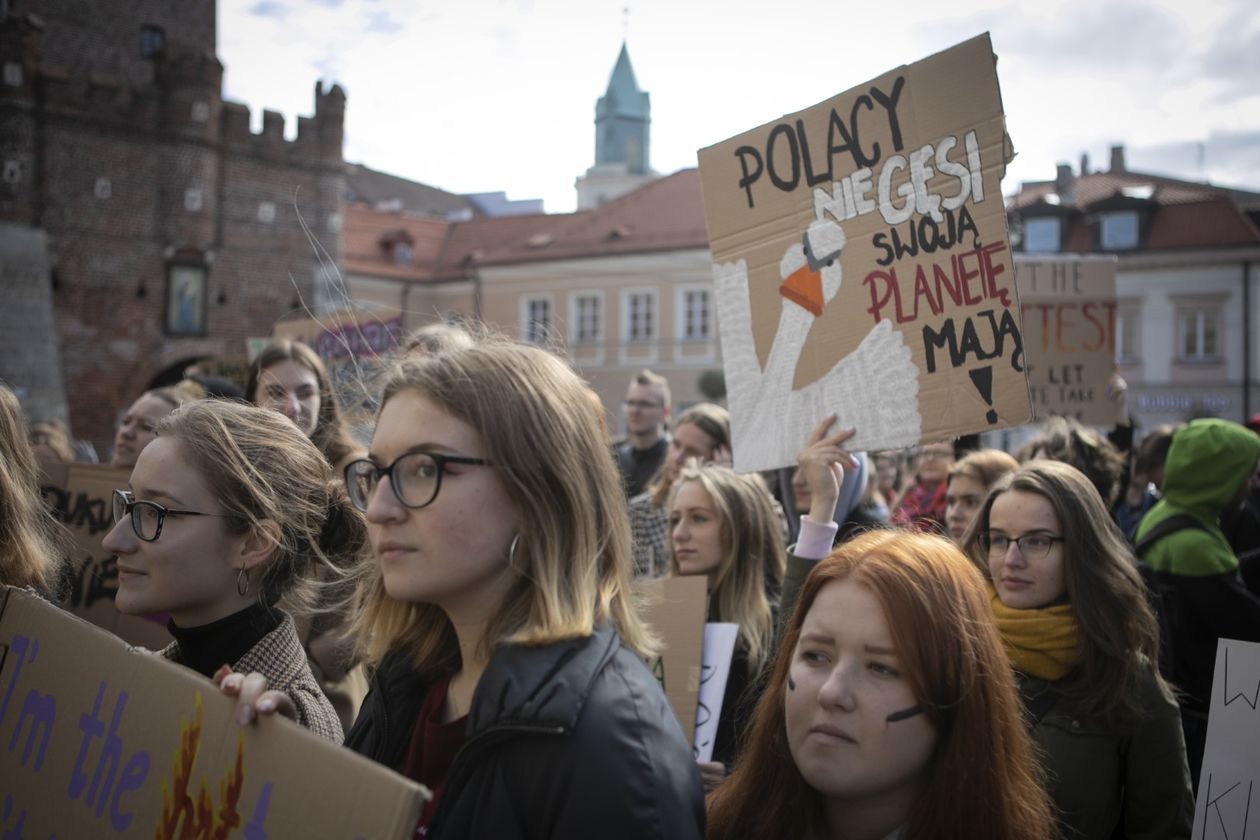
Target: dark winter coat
{"points": [[573, 739]]}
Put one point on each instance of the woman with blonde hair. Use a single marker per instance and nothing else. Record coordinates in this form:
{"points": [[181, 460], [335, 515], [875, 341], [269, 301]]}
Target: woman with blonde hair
{"points": [[1075, 622], [33, 542], [499, 612], [723, 525], [968, 484], [288, 377], [890, 711], [230, 508], [703, 434]]}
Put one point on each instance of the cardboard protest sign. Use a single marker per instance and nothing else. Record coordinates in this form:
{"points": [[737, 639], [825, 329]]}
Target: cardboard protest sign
{"points": [[351, 345], [675, 608], [1068, 307], [98, 739], [861, 264], [715, 670], [84, 504], [1229, 782]]}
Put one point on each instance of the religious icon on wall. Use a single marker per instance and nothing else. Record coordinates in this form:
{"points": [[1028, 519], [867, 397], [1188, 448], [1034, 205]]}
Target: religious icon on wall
{"points": [[186, 299]]}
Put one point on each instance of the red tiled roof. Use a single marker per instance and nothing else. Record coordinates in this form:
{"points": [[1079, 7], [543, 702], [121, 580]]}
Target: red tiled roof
{"points": [[1184, 214], [365, 230]]}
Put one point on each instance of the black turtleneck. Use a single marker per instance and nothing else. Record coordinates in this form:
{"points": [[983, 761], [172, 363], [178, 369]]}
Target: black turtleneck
{"points": [[208, 647]]}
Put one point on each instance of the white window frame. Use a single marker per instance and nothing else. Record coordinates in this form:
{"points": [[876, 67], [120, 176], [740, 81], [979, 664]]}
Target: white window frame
{"points": [[577, 338], [628, 297], [528, 333], [1200, 315], [1128, 326], [1045, 224], [1119, 230], [684, 312]]}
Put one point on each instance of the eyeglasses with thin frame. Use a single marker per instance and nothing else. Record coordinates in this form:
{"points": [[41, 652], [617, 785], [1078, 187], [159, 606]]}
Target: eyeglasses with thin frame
{"points": [[1033, 546], [415, 477], [643, 405], [147, 518]]}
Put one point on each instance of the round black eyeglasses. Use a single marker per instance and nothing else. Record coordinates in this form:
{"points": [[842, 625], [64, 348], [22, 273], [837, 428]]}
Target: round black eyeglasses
{"points": [[1030, 545], [415, 477], [147, 518]]}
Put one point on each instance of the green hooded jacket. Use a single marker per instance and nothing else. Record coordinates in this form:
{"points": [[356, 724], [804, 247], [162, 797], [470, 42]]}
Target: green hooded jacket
{"points": [[1201, 594], [1207, 464]]}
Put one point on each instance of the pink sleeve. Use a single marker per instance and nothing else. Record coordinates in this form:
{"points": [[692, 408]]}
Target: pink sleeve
{"points": [[815, 539]]}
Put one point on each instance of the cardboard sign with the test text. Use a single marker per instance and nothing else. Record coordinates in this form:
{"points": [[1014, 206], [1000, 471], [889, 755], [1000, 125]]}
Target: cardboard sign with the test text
{"points": [[98, 739], [84, 503], [675, 608], [862, 267], [1229, 783], [1069, 319]]}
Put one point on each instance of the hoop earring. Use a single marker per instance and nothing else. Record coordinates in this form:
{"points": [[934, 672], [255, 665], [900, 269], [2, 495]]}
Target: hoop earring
{"points": [[512, 551], [242, 582]]}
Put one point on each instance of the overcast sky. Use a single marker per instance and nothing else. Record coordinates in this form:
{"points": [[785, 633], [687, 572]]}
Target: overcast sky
{"points": [[489, 95]]}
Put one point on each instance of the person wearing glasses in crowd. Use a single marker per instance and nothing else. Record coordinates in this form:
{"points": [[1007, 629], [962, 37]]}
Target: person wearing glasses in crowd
{"points": [[228, 510], [510, 676], [889, 711], [1075, 621], [922, 504], [703, 434], [642, 451], [139, 424]]}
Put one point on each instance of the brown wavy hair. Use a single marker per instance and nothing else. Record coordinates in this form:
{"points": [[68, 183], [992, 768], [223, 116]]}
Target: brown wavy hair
{"points": [[983, 781], [331, 434], [1119, 633], [1064, 439]]}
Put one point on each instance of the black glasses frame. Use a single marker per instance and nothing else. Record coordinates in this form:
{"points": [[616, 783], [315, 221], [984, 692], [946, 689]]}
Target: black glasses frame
{"points": [[130, 507], [1019, 541], [377, 471]]}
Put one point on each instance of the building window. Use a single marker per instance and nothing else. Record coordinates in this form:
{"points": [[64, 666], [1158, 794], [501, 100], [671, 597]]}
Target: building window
{"points": [[192, 199], [12, 171], [186, 298], [102, 188], [694, 311], [200, 111], [1198, 327], [12, 74], [403, 253], [1120, 231], [1042, 235], [586, 319], [640, 316], [535, 319], [1126, 335], [152, 40], [266, 212]]}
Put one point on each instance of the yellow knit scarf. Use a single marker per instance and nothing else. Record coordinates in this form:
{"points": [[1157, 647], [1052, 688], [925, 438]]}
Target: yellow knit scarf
{"points": [[1043, 642]]}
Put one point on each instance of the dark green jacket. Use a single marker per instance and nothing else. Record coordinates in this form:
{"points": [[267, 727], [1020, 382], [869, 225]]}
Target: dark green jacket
{"points": [[1097, 775], [1202, 595]]}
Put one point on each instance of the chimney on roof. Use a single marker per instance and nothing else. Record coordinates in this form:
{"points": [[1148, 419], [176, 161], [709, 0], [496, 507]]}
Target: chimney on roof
{"points": [[1117, 158], [1063, 183], [1084, 163]]}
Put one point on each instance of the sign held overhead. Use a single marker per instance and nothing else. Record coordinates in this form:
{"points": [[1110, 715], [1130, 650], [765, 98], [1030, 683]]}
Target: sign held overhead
{"points": [[862, 266]]}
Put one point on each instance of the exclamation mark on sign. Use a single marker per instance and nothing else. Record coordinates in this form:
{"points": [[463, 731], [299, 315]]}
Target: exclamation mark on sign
{"points": [[982, 378]]}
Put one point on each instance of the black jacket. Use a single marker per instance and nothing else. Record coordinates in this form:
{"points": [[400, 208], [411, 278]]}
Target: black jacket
{"points": [[569, 740]]}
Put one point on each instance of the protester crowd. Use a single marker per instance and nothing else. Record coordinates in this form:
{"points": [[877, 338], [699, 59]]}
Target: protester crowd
{"points": [[945, 642]]}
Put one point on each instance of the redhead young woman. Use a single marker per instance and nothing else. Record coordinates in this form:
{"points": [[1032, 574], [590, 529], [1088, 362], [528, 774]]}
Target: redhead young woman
{"points": [[1077, 627], [229, 509], [510, 677], [890, 711], [723, 525]]}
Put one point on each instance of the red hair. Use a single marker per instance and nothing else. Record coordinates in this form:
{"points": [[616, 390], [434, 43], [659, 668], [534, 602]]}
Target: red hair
{"points": [[982, 777]]}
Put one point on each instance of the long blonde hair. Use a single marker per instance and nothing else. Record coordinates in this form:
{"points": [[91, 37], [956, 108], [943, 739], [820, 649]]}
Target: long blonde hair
{"points": [[31, 540], [573, 548], [753, 554]]}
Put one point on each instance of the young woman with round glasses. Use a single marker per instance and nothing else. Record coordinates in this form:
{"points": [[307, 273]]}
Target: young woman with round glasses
{"points": [[510, 677], [230, 508], [1077, 627]]}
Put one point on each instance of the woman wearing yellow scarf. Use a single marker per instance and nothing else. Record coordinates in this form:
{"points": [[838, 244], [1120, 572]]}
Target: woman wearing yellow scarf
{"points": [[1076, 625]]}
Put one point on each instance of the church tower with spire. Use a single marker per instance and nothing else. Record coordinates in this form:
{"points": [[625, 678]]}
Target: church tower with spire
{"points": [[622, 125]]}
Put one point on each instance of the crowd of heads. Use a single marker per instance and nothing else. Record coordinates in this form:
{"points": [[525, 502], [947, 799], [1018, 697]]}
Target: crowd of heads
{"points": [[898, 645]]}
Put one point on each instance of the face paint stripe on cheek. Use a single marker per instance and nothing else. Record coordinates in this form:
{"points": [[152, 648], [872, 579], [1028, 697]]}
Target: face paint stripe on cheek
{"points": [[791, 683], [904, 714]]}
